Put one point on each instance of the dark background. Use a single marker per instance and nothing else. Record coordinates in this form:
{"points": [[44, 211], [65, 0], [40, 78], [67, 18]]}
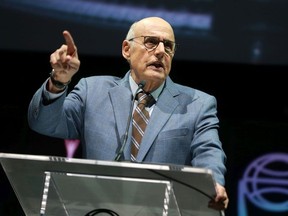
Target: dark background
{"points": [[251, 88], [246, 31]]}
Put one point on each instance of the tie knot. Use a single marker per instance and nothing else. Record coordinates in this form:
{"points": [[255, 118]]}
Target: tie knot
{"points": [[145, 99], [142, 96]]}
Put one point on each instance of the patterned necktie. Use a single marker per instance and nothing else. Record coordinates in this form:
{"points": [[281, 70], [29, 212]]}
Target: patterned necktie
{"points": [[139, 123]]}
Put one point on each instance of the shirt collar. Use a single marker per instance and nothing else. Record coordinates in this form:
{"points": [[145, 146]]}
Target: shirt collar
{"points": [[155, 93]]}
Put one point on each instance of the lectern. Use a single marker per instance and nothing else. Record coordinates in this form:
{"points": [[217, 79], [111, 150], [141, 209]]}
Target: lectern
{"points": [[58, 186]]}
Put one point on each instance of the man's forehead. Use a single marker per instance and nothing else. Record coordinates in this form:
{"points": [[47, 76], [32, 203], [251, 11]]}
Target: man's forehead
{"points": [[155, 29]]}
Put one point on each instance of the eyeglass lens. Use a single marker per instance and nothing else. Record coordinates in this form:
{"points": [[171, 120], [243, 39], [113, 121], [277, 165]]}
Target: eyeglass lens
{"points": [[151, 43]]}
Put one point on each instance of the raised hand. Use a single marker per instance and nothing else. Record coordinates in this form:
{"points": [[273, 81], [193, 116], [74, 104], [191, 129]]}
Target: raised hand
{"points": [[65, 61]]}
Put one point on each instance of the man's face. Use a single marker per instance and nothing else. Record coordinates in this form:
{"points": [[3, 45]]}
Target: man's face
{"points": [[151, 52]]}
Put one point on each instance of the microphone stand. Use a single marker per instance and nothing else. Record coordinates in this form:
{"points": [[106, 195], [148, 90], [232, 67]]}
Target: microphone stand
{"points": [[120, 152]]}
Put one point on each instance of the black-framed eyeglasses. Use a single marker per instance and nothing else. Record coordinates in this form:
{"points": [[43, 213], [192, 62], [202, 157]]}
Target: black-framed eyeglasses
{"points": [[152, 42]]}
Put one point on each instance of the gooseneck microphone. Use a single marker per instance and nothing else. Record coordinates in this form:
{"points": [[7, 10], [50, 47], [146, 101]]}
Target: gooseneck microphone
{"points": [[120, 152]]}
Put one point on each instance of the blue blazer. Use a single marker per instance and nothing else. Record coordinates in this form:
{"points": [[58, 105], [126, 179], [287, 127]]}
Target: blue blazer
{"points": [[183, 127]]}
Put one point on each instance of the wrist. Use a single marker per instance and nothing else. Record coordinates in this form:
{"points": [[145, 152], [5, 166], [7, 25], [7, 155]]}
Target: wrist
{"points": [[56, 83]]}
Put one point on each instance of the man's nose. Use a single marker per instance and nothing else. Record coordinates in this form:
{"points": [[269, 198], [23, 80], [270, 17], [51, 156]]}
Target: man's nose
{"points": [[160, 47]]}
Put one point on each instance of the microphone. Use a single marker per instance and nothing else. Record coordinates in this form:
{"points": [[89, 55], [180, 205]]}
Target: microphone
{"points": [[120, 152]]}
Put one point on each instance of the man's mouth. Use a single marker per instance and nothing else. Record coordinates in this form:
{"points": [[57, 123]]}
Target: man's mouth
{"points": [[156, 65]]}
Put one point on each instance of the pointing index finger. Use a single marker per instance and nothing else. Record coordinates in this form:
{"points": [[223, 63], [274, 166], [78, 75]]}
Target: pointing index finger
{"points": [[71, 48]]}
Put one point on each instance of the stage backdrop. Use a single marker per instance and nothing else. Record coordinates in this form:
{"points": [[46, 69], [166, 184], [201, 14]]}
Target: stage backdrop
{"points": [[246, 31]]}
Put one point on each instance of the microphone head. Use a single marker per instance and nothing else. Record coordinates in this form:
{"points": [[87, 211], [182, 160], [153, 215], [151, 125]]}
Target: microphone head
{"points": [[142, 84]]}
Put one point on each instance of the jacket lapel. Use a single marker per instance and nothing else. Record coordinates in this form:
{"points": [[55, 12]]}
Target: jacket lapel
{"points": [[121, 99], [162, 111]]}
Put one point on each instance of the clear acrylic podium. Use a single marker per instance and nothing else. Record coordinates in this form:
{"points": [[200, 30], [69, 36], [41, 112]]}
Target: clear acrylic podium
{"points": [[58, 186]]}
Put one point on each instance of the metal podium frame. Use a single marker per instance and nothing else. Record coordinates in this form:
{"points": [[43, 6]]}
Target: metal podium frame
{"points": [[56, 186]]}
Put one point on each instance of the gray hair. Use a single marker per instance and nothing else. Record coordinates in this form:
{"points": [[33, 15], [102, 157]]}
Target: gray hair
{"points": [[131, 32]]}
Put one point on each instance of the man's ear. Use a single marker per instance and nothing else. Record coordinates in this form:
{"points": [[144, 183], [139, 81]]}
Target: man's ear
{"points": [[126, 49]]}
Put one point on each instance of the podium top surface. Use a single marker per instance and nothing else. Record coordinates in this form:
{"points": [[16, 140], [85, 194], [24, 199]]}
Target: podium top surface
{"points": [[4, 157]]}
